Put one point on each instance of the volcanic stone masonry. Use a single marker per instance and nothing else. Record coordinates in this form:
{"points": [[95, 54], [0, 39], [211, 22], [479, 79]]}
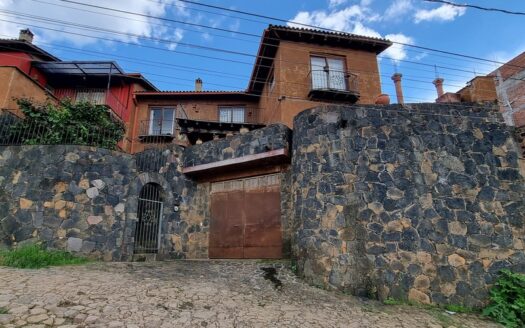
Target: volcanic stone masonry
{"points": [[422, 202]]}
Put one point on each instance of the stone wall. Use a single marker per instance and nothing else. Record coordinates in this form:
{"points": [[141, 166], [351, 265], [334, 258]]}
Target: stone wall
{"points": [[69, 197], [272, 137], [84, 199], [423, 202]]}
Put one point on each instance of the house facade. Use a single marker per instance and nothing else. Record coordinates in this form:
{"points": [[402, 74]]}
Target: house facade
{"points": [[295, 69], [28, 71]]}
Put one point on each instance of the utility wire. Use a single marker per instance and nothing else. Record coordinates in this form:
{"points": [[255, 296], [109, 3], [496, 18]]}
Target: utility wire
{"points": [[335, 31], [131, 35], [294, 98], [505, 11], [200, 25]]}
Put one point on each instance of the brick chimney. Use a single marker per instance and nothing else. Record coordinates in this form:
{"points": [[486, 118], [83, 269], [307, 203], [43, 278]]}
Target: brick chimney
{"points": [[198, 84], [438, 82], [26, 35], [399, 89]]}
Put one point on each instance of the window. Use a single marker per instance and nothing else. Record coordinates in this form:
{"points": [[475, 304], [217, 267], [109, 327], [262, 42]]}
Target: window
{"points": [[231, 114], [328, 73], [94, 96], [161, 120], [271, 80]]}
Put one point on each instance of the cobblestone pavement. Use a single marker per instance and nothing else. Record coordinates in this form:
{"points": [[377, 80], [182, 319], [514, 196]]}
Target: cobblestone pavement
{"points": [[193, 294]]}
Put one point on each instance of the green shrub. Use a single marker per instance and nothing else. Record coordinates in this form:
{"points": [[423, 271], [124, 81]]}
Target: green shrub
{"points": [[81, 123], [507, 300], [35, 256]]}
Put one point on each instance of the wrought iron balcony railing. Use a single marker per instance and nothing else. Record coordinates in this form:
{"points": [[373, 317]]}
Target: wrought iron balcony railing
{"points": [[334, 85]]}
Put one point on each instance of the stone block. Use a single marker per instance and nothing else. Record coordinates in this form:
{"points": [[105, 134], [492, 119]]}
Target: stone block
{"points": [[417, 296], [74, 244], [92, 192], [92, 219]]}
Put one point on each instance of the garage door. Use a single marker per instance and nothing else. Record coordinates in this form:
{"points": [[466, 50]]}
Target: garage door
{"points": [[246, 218]]}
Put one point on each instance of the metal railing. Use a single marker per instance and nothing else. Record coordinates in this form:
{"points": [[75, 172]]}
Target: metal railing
{"points": [[334, 80], [15, 131], [95, 96]]}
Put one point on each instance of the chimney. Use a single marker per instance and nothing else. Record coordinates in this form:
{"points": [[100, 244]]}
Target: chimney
{"points": [[438, 82], [198, 84], [399, 89], [26, 35]]}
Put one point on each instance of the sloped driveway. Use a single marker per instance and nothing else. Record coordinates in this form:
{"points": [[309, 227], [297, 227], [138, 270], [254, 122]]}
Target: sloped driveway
{"points": [[193, 294]]}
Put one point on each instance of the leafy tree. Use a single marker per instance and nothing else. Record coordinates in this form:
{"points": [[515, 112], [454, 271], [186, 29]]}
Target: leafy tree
{"points": [[81, 123]]}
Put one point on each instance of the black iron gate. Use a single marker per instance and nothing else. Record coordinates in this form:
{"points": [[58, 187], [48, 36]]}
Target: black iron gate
{"points": [[149, 212]]}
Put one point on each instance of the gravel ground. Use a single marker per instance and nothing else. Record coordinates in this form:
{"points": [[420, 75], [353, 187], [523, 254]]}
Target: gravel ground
{"points": [[194, 294]]}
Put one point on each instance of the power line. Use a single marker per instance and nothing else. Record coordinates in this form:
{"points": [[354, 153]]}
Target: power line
{"points": [[505, 11], [91, 28], [57, 22], [218, 35], [200, 25], [335, 31], [408, 79]]}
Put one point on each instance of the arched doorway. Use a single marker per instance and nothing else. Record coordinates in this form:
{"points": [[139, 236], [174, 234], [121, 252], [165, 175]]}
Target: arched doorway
{"points": [[149, 213]]}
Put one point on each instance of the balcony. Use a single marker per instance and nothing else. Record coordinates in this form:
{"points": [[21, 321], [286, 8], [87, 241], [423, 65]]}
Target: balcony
{"points": [[331, 85], [94, 96]]}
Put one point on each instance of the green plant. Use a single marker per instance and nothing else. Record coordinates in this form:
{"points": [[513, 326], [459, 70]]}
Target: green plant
{"points": [[81, 123], [35, 256], [3, 310], [507, 300]]}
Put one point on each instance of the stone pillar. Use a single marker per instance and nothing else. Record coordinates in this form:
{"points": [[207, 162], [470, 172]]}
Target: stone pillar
{"points": [[438, 82], [399, 89]]}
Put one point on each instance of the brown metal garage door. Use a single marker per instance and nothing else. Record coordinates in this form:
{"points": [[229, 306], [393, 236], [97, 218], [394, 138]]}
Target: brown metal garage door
{"points": [[246, 218]]}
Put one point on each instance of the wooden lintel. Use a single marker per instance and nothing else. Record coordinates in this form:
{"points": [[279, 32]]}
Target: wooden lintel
{"points": [[273, 155]]}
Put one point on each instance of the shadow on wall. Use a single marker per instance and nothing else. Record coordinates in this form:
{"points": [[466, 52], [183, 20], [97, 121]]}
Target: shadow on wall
{"points": [[423, 202]]}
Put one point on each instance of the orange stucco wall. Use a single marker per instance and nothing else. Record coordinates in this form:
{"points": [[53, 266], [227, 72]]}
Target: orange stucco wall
{"points": [[15, 84]]}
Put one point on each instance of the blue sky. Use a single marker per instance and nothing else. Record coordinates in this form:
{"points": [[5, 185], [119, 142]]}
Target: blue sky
{"points": [[490, 35]]}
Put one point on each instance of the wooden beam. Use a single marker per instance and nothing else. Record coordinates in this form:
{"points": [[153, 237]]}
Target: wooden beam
{"points": [[279, 154]]}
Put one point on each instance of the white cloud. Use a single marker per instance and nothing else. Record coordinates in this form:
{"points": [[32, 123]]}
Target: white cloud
{"points": [[129, 24], [340, 20], [398, 9], [336, 3], [441, 13], [353, 19], [397, 52]]}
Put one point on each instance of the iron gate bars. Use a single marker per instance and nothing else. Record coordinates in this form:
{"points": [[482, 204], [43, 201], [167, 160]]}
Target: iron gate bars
{"points": [[149, 211]]}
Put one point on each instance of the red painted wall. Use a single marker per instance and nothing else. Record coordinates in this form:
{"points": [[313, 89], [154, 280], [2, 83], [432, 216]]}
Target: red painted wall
{"points": [[22, 61]]}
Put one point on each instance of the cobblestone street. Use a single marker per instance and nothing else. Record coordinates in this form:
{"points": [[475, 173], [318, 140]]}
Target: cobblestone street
{"points": [[194, 294]]}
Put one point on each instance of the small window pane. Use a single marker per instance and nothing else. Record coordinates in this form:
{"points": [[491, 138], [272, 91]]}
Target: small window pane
{"points": [[224, 115], [161, 120], [231, 114]]}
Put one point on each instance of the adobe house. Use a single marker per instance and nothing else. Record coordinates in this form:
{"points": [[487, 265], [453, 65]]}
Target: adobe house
{"points": [[295, 69], [27, 71]]}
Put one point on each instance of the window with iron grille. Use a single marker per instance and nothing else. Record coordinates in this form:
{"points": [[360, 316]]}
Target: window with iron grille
{"points": [[232, 114], [328, 73], [161, 120]]}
